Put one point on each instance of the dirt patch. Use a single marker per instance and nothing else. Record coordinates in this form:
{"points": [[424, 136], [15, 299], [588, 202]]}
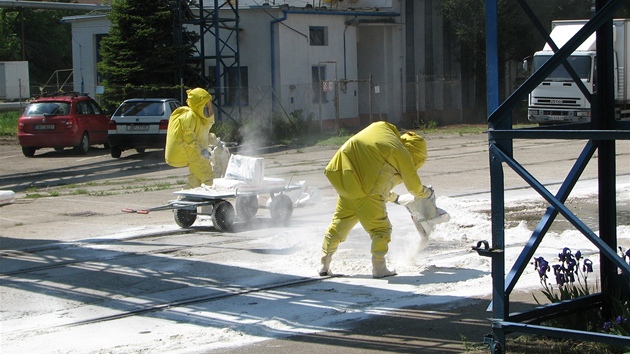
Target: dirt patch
{"points": [[8, 140]]}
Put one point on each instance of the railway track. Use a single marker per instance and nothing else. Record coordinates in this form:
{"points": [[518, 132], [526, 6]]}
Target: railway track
{"points": [[31, 254]]}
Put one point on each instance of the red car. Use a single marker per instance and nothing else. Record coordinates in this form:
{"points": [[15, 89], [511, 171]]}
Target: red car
{"points": [[62, 120]]}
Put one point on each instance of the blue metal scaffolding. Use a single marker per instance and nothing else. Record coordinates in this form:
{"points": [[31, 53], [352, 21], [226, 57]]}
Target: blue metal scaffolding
{"points": [[217, 69], [600, 135]]}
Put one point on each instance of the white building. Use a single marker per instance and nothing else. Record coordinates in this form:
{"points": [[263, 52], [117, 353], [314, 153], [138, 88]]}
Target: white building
{"points": [[349, 45]]}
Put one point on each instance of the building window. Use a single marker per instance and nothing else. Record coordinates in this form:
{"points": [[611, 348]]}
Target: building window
{"points": [[236, 88], [318, 75], [318, 35]]}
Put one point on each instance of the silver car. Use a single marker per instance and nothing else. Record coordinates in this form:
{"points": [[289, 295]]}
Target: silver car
{"points": [[140, 123]]}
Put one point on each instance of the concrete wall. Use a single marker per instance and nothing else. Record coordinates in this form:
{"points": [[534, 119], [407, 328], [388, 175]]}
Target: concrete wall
{"points": [[84, 52], [436, 83], [353, 53]]}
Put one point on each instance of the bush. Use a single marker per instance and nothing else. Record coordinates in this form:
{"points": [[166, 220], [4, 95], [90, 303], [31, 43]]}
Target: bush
{"points": [[8, 123]]}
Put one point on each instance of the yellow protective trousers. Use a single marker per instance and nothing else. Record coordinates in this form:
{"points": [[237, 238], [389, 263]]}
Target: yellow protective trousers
{"points": [[200, 173], [371, 212]]}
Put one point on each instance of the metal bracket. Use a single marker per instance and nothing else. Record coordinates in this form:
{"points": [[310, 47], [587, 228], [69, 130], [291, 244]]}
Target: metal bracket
{"points": [[486, 251], [493, 345]]}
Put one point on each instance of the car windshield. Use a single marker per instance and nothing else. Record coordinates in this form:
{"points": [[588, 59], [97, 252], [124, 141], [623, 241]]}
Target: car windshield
{"points": [[49, 108], [581, 65], [143, 108]]}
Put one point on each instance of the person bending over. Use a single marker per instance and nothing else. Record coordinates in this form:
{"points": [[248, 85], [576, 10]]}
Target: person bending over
{"points": [[363, 172]]}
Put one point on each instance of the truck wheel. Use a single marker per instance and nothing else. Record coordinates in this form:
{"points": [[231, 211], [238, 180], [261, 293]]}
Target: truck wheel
{"points": [[246, 206], [281, 208], [223, 216], [184, 217], [28, 151], [115, 152], [84, 145]]}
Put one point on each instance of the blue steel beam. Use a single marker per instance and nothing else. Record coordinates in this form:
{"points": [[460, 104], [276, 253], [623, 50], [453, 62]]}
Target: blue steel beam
{"points": [[500, 136], [548, 218], [500, 308], [608, 252], [560, 134], [566, 333], [541, 29], [544, 313], [521, 93]]}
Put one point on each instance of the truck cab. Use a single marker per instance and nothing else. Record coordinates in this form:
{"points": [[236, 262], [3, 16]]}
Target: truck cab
{"points": [[558, 99]]}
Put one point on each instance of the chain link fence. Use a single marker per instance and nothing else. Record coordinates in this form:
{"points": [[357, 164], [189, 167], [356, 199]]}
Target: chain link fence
{"points": [[257, 112]]}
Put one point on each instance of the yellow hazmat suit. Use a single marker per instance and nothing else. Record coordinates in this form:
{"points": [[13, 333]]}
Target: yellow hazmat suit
{"points": [[187, 137], [363, 172]]}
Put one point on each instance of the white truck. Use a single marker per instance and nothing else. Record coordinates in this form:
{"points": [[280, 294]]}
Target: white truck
{"points": [[558, 99]]}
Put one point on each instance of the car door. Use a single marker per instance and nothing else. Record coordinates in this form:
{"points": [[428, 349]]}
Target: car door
{"points": [[100, 121], [87, 120]]}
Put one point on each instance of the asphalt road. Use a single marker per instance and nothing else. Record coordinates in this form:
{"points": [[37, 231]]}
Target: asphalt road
{"points": [[74, 266], [56, 189]]}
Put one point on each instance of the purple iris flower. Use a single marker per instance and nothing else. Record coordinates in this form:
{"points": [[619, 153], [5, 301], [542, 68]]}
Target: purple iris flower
{"points": [[608, 326], [557, 269], [542, 266], [587, 266], [566, 252], [571, 263], [560, 279]]}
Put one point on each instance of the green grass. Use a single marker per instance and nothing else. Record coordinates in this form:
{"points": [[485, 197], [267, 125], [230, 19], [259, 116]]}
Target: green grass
{"points": [[8, 123]]}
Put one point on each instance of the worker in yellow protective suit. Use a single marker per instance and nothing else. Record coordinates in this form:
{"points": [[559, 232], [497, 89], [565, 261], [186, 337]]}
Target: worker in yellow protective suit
{"points": [[363, 172], [187, 137]]}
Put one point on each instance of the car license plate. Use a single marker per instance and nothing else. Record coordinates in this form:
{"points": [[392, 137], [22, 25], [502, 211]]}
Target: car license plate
{"points": [[44, 127], [136, 128]]}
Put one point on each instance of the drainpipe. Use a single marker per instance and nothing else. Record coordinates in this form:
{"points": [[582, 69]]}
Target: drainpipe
{"points": [[273, 59], [310, 12]]}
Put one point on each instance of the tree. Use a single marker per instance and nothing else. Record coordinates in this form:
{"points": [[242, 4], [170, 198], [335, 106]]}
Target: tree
{"points": [[10, 47], [139, 53], [37, 36]]}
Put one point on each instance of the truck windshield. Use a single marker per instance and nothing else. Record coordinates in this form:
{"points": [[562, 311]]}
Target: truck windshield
{"points": [[581, 65]]}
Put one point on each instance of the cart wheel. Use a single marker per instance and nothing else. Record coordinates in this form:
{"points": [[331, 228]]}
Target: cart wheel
{"points": [[184, 217], [246, 206], [223, 216], [281, 208]]}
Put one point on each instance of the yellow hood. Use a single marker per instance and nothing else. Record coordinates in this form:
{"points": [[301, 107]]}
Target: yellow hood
{"points": [[197, 100], [416, 146]]}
